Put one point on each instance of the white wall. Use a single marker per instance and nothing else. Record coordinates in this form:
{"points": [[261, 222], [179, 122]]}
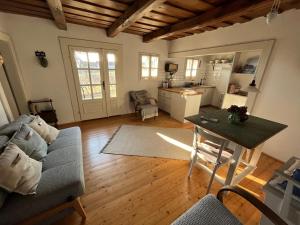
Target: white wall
{"points": [[279, 99], [29, 34]]}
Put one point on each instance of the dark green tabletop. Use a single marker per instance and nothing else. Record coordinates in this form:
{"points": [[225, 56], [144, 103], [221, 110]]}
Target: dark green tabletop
{"points": [[249, 134]]}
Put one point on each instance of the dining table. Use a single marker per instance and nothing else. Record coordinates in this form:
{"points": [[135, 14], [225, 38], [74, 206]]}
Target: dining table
{"points": [[245, 137]]}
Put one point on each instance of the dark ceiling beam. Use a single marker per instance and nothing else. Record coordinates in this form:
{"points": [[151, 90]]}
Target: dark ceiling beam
{"points": [[57, 13], [131, 15], [225, 12]]}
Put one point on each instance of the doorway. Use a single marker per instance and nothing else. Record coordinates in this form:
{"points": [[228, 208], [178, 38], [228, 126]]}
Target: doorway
{"points": [[93, 71]]}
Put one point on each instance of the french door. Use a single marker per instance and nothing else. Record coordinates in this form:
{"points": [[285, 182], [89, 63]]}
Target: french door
{"points": [[95, 76]]}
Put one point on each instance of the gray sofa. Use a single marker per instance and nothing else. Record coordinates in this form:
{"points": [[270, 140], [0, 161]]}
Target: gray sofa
{"points": [[61, 183]]}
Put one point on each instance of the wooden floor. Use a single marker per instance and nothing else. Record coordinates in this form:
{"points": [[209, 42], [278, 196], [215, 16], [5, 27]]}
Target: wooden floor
{"points": [[132, 190]]}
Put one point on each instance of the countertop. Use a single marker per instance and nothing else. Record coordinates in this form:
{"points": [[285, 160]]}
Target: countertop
{"points": [[187, 90]]}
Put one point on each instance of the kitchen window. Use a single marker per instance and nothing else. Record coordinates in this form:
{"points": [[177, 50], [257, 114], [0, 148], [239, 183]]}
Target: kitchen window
{"points": [[149, 66], [191, 68]]}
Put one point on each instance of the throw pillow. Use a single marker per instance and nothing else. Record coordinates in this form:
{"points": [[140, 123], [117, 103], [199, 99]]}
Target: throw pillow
{"points": [[11, 128], [3, 193], [30, 142], [47, 132], [19, 172]]}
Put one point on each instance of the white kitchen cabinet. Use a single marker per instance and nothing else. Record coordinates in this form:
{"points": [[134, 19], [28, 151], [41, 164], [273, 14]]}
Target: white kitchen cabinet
{"points": [[164, 100], [206, 98], [184, 105], [178, 105]]}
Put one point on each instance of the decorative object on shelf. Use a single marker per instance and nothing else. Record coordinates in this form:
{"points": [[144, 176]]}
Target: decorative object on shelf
{"points": [[44, 108], [252, 87], [42, 58], [237, 114], [170, 69], [273, 12]]}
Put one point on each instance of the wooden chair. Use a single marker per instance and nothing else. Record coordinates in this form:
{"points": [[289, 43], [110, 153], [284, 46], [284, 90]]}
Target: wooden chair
{"points": [[210, 149], [209, 210], [145, 105]]}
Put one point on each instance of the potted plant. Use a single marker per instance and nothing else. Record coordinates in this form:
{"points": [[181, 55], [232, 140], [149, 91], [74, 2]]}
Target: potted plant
{"points": [[237, 114]]}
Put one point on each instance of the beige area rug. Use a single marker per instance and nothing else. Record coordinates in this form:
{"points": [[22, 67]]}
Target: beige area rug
{"points": [[171, 143]]}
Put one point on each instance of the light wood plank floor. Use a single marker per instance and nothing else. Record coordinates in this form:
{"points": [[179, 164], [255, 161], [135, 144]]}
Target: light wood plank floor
{"points": [[131, 190]]}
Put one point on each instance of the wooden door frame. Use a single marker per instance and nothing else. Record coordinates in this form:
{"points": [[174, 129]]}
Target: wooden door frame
{"points": [[64, 45]]}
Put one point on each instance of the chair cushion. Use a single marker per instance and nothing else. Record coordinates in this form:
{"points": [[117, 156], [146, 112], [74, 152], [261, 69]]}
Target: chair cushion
{"points": [[208, 211], [30, 142], [11, 128], [142, 97]]}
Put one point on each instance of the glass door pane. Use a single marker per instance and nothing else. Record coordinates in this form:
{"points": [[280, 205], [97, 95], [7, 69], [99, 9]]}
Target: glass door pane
{"points": [[89, 74], [112, 81]]}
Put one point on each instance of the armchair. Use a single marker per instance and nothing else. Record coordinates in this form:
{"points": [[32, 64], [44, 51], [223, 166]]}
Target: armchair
{"points": [[144, 104]]}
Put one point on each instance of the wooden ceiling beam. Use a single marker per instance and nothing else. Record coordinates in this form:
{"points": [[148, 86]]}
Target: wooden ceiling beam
{"points": [[131, 15], [57, 13], [221, 13]]}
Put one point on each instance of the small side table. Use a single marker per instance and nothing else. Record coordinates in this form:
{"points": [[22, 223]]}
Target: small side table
{"points": [[44, 108]]}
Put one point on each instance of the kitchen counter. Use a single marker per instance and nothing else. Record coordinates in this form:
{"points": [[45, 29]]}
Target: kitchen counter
{"points": [[186, 90]]}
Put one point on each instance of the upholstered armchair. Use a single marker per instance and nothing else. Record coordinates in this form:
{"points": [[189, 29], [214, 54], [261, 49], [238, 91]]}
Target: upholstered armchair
{"points": [[144, 104]]}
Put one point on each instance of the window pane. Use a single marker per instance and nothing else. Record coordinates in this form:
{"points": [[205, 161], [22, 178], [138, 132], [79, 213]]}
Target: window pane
{"points": [[145, 61], [112, 76], [195, 64], [189, 63], [194, 72], [97, 91], [187, 73], [86, 92], [154, 72], [145, 72], [81, 59], [112, 91], [95, 76], [111, 60], [83, 77], [94, 60], [154, 62]]}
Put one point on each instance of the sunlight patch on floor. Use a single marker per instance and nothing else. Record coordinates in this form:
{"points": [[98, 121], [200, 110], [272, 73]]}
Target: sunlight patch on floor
{"points": [[175, 142]]}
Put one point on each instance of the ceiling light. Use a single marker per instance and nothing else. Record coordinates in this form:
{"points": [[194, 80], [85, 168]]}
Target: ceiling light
{"points": [[273, 12]]}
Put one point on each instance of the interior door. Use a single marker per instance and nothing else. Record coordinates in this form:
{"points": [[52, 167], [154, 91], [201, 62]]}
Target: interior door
{"points": [[88, 70]]}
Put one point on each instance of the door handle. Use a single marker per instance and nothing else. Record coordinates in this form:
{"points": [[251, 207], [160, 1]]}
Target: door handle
{"points": [[103, 84]]}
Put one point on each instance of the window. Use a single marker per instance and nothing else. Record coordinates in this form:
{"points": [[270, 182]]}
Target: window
{"points": [[149, 66], [191, 68], [89, 74]]}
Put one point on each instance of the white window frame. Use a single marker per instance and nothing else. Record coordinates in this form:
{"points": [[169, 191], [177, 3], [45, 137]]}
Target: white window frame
{"points": [[149, 77], [191, 77]]}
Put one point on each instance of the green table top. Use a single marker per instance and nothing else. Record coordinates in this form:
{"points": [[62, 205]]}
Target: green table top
{"points": [[249, 134]]}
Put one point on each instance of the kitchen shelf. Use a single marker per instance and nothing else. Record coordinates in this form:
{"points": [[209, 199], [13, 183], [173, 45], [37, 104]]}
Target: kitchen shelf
{"points": [[244, 74]]}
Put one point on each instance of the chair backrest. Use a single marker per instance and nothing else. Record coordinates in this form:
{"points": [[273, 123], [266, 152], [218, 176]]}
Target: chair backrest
{"points": [[139, 97], [211, 138]]}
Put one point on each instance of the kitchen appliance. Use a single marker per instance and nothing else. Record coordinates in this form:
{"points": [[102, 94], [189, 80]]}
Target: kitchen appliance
{"points": [[171, 68]]}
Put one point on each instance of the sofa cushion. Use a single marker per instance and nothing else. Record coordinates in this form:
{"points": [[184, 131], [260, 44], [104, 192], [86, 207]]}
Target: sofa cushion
{"points": [[19, 172], [11, 128], [30, 142], [66, 138], [3, 193], [56, 186], [46, 131], [62, 178]]}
